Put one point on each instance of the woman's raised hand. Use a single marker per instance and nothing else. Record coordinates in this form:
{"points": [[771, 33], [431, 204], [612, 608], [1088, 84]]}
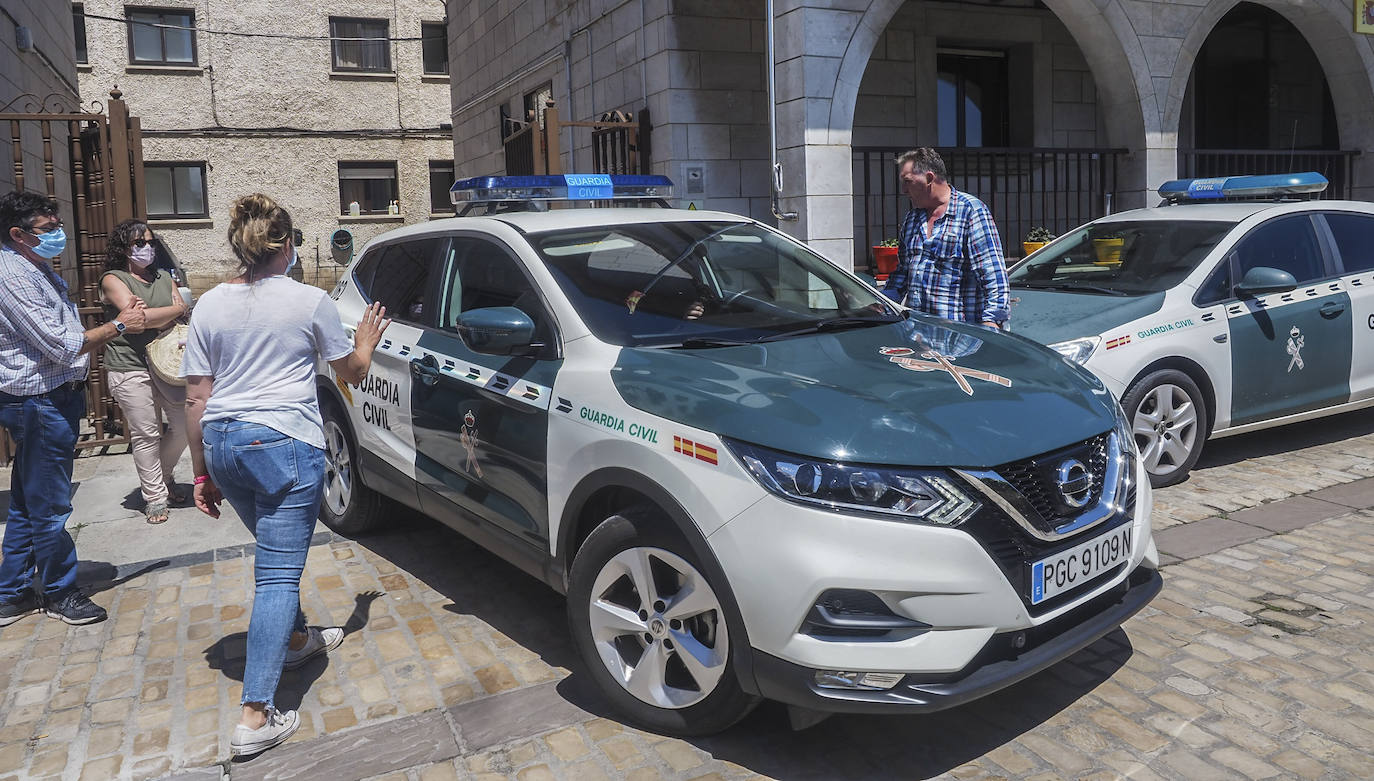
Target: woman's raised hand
{"points": [[371, 327]]}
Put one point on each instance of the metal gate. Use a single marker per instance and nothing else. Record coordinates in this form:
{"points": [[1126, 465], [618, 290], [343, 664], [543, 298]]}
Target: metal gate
{"points": [[103, 151], [620, 144]]}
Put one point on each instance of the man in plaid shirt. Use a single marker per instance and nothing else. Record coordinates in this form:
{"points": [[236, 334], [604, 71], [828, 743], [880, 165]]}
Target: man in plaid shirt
{"points": [[949, 254], [44, 354]]}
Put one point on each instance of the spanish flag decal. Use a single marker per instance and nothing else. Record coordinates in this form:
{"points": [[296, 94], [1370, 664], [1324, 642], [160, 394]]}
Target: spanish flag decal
{"points": [[695, 450]]}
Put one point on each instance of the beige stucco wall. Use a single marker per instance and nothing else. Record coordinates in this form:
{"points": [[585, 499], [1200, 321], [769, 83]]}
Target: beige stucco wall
{"points": [[267, 115]]}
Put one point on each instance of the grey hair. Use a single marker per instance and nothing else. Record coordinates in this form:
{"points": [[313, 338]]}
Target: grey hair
{"points": [[923, 159]]}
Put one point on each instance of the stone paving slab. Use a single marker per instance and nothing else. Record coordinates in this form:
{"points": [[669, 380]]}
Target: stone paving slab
{"points": [[1289, 514], [1208, 535]]}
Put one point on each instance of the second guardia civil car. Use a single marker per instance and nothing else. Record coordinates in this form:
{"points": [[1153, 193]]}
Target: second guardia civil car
{"points": [[752, 475]]}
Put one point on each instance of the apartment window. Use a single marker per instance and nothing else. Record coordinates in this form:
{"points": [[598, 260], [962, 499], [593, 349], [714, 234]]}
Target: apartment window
{"points": [[434, 47], [440, 180], [353, 52], [972, 97], [79, 32], [175, 190], [161, 36], [371, 184]]}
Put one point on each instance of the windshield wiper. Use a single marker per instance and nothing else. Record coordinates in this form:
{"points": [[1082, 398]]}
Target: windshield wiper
{"points": [[1106, 291], [707, 342], [833, 324]]}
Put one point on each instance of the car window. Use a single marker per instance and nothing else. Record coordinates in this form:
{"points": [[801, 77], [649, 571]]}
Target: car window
{"points": [[1354, 239], [401, 277], [1287, 244], [663, 284], [1218, 286], [1122, 258], [366, 267], [483, 274]]}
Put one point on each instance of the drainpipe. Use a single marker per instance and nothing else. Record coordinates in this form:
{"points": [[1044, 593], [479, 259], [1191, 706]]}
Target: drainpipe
{"points": [[776, 167]]}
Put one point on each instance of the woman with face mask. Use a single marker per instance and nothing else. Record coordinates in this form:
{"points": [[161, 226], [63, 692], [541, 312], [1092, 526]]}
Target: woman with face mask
{"points": [[143, 396]]}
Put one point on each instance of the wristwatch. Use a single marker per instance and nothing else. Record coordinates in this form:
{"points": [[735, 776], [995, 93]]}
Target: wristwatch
{"points": [[119, 327]]}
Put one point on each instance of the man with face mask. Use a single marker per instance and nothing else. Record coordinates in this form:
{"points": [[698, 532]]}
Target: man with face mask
{"points": [[43, 366]]}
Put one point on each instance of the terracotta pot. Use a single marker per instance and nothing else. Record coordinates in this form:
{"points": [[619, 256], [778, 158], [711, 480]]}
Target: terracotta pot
{"points": [[1027, 247], [886, 259]]}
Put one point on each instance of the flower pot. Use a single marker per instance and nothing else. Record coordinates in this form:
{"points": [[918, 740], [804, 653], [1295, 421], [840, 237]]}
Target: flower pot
{"points": [[886, 259], [1108, 250], [1027, 247]]}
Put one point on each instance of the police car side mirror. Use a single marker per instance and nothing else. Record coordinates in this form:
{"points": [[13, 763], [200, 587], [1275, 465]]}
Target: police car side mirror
{"points": [[497, 330], [1262, 280]]}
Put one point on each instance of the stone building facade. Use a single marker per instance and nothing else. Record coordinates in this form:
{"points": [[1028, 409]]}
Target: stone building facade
{"points": [[1120, 79], [41, 76], [258, 98]]}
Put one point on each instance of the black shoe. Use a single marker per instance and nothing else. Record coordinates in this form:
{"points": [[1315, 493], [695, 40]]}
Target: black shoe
{"points": [[76, 608], [13, 611]]}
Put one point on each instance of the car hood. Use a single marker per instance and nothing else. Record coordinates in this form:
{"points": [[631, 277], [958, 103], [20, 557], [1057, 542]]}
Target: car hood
{"points": [[872, 395], [1049, 316]]}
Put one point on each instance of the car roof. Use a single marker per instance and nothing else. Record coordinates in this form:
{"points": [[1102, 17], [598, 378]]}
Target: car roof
{"points": [[1231, 211], [563, 219]]}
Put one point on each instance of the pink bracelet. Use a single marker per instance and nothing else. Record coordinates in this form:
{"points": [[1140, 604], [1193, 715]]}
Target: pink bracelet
{"points": [[201, 479]]}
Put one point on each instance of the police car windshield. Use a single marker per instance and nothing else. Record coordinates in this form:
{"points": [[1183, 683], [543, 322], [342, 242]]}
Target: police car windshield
{"points": [[1121, 258], [701, 284]]}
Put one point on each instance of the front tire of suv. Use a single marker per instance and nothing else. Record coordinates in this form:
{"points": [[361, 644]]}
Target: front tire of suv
{"points": [[348, 507], [1169, 420], [652, 630]]}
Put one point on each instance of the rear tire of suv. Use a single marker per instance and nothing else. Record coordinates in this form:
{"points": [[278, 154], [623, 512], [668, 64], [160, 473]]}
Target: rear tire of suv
{"points": [[348, 506], [1169, 420], [652, 630]]}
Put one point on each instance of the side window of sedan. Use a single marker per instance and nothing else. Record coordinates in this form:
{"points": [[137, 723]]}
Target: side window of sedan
{"points": [[482, 274], [1354, 235], [1287, 244]]}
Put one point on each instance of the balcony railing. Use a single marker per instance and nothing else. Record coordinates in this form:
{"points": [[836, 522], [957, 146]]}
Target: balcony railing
{"points": [[1059, 188], [1335, 164]]}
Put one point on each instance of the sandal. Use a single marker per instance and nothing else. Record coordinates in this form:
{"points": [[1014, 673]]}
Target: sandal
{"points": [[156, 512], [176, 494]]}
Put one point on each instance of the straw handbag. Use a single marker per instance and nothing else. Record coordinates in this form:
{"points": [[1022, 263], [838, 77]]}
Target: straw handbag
{"points": [[165, 354]]}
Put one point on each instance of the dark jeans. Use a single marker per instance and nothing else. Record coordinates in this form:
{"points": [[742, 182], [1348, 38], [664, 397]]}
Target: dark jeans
{"points": [[44, 429], [275, 484]]}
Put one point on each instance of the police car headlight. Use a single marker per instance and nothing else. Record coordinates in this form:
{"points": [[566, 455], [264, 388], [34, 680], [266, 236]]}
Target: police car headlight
{"points": [[1125, 437], [1078, 350], [924, 495]]}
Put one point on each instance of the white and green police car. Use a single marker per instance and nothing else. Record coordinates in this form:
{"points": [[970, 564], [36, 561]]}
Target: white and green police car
{"points": [[1227, 310], [752, 475]]}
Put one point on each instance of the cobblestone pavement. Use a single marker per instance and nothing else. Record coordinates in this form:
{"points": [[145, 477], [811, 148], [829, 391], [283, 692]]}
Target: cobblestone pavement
{"points": [[1254, 662]]}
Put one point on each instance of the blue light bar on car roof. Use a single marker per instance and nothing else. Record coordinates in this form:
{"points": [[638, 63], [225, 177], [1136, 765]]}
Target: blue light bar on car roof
{"points": [[564, 187], [1263, 186]]}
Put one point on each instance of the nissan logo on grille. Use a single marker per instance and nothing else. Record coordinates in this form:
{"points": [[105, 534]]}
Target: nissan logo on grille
{"points": [[1075, 483]]}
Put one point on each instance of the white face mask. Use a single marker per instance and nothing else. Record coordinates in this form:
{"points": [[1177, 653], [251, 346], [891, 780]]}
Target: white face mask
{"points": [[143, 257]]}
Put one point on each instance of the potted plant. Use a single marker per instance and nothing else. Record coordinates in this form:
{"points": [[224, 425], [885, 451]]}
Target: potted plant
{"points": [[1107, 247], [885, 256], [1035, 239]]}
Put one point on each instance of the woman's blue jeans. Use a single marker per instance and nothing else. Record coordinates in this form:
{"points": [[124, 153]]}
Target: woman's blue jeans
{"points": [[274, 483]]}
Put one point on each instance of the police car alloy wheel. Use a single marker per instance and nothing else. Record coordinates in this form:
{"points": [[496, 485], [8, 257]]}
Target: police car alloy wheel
{"points": [[1169, 421], [348, 506], [652, 630]]}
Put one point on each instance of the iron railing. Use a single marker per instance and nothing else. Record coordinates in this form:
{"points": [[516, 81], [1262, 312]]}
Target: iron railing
{"points": [[1058, 188], [1335, 164]]}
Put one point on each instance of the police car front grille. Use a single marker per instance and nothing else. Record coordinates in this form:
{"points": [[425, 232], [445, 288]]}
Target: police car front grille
{"points": [[1034, 478]]}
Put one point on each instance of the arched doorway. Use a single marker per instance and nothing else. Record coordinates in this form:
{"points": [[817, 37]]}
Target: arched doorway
{"points": [[1258, 101]]}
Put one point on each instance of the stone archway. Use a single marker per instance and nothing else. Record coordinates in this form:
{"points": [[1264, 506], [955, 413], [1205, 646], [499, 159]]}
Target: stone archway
{"points": [[1346, 65]]}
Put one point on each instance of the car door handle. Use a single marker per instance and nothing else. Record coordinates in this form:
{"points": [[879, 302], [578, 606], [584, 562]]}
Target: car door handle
{"points": [[425, 369], [1331, 309], [1219, 338]]}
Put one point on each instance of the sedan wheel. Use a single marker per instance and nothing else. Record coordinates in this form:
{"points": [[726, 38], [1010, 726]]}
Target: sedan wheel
{"points": [[1169, 422], [338, 469]]}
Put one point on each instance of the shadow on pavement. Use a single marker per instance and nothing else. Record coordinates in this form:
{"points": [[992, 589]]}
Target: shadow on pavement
{"points": [[229, 654], [533, 615], [1268, 442], [98, 576]]}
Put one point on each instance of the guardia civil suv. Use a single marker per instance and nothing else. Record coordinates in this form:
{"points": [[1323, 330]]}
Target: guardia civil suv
{"points": [[752, 475], [1233, 307]]}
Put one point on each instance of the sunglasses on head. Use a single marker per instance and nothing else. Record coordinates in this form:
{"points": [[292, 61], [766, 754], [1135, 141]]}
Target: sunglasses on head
{"points": [[142, 242]]}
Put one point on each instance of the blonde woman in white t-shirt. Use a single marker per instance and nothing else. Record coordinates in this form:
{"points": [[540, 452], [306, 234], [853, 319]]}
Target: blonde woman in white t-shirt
{"points": [[253, 423]]}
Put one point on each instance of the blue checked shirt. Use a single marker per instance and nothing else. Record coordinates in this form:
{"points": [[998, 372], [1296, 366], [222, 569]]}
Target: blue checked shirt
{"points": [[40, 333], [958, 273]]}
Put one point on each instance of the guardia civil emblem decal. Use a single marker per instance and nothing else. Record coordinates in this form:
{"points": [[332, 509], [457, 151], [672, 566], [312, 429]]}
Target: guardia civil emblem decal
{"points": [[931, 360], [468, 438]]}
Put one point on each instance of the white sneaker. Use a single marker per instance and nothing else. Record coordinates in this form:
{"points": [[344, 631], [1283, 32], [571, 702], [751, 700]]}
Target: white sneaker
{"points": [[317, 641], [278, 728]]}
